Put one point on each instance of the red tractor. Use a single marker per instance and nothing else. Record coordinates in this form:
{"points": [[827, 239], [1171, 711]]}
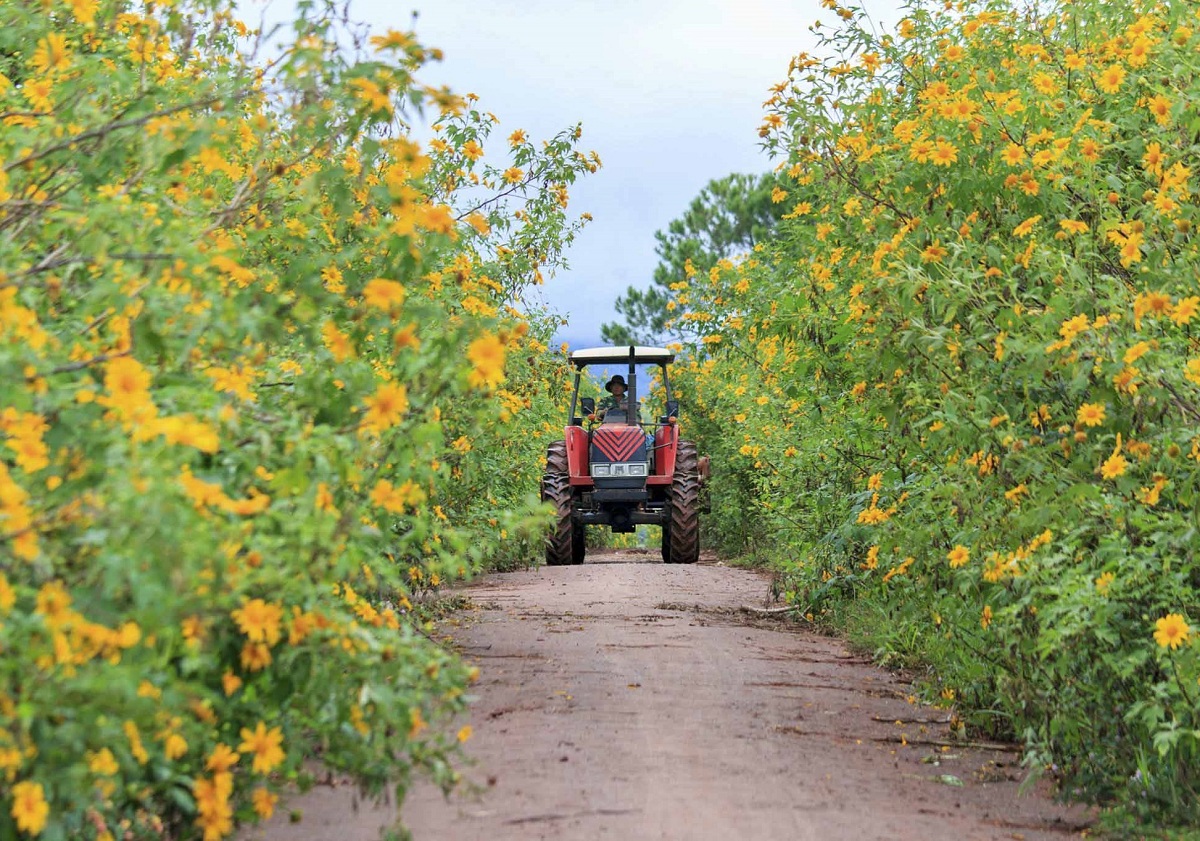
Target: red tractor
{"points": [[613, 469]]}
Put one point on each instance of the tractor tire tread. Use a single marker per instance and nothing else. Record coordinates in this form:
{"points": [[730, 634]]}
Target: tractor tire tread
{"points": [[683, 532], [556, 489]]}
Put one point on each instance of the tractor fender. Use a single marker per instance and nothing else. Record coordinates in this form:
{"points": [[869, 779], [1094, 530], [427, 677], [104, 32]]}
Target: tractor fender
{"points": [[577, 452]]}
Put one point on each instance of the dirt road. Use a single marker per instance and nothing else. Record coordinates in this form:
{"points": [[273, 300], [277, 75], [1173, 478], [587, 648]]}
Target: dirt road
{"points": [[628, 699]]}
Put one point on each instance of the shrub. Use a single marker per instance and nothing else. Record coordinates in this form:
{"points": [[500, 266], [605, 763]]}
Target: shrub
{"points": [[262, 378], [963, 376]]}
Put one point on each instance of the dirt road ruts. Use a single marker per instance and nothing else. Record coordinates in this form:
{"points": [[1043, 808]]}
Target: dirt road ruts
{"points": [[629, 699]]}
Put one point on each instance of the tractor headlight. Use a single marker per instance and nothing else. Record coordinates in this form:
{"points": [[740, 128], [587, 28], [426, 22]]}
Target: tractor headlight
{"points": [[600, 470], [637, 469]]}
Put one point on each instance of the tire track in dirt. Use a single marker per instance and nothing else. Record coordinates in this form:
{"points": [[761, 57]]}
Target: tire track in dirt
{"points": [[626, 699]]}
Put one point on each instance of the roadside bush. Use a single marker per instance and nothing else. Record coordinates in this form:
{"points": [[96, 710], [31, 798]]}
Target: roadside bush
{"points": [[963, 378], [265, 373]]}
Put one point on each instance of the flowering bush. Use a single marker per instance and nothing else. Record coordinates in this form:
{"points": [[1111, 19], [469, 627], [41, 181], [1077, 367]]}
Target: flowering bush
{"points": [[963, 376], [255, 393]]}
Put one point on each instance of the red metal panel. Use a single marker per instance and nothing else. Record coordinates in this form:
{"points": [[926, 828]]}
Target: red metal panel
{"points": [[618, 443], [665, 440], [577, 452]]}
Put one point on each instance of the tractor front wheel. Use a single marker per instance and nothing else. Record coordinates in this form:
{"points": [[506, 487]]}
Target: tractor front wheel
{"points": [[681, 534], [563, 546]]}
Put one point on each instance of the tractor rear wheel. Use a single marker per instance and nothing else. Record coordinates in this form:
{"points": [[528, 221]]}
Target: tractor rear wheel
{"points": [[681, 535], [562, 546]]}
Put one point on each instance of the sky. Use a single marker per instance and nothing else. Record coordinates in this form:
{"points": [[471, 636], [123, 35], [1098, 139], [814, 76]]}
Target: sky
{"points": [[669, 93]]}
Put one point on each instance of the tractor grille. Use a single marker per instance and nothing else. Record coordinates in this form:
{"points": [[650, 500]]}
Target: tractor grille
{"points": [[618, 443]]}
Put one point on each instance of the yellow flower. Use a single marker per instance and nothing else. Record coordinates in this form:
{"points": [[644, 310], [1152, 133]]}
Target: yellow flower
{"points": [[264, 802], [29, 807], [38, 91], [921, 150], [265, 745], [332, 277], [872, 561], [1160, 107], [1150, 303], [135, 743], [1136, 352], [259, 620], [84, 10], [391, 40], [1115, 465], [486, 354], [8, 596], [370, 94], [383, 294], [1013, 155], [1104, 581], [1026, 227], [933, 253], [52, 55], [212, 802], [1044, 84], [1110, 78], [126, 380], [416, 722], [255, 657], [337, 342], [985, 618], [1152, 159], [472, 150], [230, 682], [1171, 631], [174, 746], [396, 498], [386, 407], [944, 153], [102, 763], [1014, 494], [1139, 52], [235, 380], [222, 759], [406, 337], [958, 556], [513, 175], [1186, 310], [1091, 414]]}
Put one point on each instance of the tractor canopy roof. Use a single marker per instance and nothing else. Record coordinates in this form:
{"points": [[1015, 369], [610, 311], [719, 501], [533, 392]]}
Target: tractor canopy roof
{"points": [[616, 355]]}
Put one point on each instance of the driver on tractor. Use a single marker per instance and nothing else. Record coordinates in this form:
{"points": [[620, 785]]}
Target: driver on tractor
{"points": [[617, 401]]}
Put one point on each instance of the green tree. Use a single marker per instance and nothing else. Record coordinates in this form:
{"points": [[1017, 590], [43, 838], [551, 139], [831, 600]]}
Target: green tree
{"points": [[729, 217]]}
